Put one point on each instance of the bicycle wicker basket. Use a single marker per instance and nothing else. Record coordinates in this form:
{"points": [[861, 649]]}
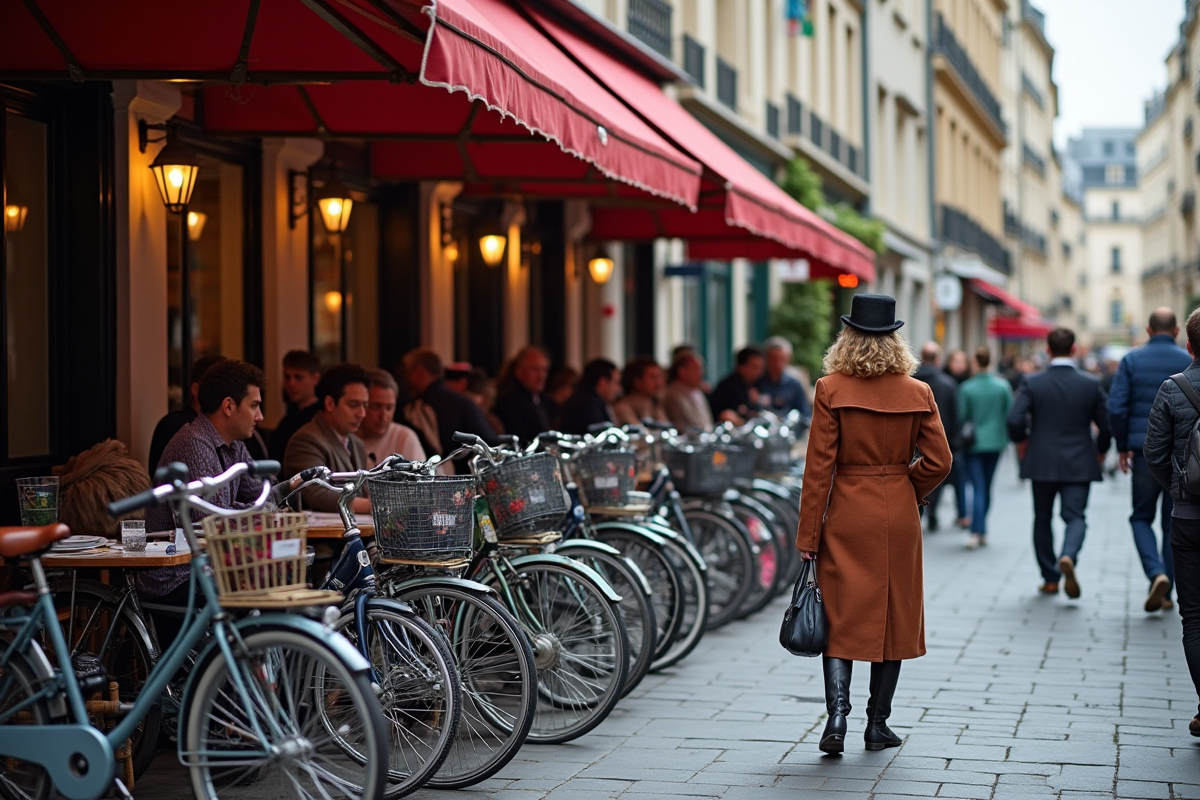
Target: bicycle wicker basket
{"points": [[606, 477], [525, 495], [699, 469], [423, 518], [257, 554]]}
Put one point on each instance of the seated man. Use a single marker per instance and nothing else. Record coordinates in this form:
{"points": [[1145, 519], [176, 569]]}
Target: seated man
{"points": [[592, 401], [230, 396], [522, 407], [643, 382], [686, 405], [778, 389], [380, 435], [329, 439], [437, 412], [301, 372], [735, 398]]}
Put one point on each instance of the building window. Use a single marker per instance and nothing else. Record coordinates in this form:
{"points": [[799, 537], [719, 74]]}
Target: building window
{"points": [[1116, 260], [27, 285], [1116, 210], [1114, 173], [1108, 148], [1117, 312]]}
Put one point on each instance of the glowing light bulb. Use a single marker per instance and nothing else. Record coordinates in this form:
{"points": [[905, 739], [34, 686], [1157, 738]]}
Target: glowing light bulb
{"points": [[492, 249], [175, 176]]}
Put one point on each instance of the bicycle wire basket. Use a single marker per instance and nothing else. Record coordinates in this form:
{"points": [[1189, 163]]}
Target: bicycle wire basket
{"points": [[525, 495], [775, 456], [257, 554], [699, 469], [606, 477], [423, 518], [743, 461]]}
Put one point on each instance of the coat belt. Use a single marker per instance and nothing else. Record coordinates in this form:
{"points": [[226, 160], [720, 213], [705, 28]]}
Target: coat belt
{"points": [[863, 470]]}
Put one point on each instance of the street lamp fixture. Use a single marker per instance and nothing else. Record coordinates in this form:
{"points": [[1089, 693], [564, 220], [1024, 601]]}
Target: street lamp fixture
{"points": [[601, 269], [175, 167], [14, 217], [333, 200], [195, 222], [491, 247]]}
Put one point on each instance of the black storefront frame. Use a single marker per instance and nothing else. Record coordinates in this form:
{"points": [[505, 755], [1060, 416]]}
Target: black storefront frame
{"points": [[81, 272]]}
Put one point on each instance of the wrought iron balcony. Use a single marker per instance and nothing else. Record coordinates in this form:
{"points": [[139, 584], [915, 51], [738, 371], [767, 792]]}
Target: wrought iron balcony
{"points": [[795, 114], [1187, 205], [727, 88], [1032, 160], [944, 42], [816, 129], [852, 160], [1030, 89], [693, 59], [772, 120], [650, 21], [959, 229], [835, 144]]}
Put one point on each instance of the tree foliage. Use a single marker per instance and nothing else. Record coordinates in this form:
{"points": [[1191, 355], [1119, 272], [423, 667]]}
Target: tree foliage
{"points": [[803, 318], [806, 186]]}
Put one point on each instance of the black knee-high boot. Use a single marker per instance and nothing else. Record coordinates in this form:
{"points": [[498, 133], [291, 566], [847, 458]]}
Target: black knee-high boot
{"points": [[878, 735], [837, 702]]}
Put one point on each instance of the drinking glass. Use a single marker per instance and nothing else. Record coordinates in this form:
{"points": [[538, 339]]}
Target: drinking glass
{"points": [[38, 498], [133, 535]]}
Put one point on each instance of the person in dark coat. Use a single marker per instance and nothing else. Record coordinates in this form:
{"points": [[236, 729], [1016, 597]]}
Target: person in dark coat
{"points": [[735, 398], [858, 511], [593, 398], [521, 406], [1172, 418], [437, 412], [1055, 411], [1134, 387], [945, 394], [301, 374]]}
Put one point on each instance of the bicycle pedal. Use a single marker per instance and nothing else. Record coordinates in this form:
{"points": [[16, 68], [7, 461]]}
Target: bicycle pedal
{"points": [[122, 790]]}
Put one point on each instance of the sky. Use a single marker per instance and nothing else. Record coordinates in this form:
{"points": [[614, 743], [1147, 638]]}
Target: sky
{"points": [[1110, 55]]}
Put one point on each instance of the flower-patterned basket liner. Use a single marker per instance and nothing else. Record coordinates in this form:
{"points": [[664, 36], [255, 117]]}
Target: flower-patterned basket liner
{"points": [[524, 495], [606, 477], [699, 469], [425, 518]]}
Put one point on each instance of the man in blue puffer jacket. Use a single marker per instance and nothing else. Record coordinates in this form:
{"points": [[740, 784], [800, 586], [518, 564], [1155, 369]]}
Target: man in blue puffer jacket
{"points": [[1139, 376]]}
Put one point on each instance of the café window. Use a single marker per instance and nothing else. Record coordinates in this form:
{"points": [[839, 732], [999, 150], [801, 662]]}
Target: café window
{"points": [[27, 308], [212, 273]]}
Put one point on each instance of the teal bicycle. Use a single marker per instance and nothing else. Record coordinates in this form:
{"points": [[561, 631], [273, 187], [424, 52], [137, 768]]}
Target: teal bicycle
{"points": [[276, 704]]}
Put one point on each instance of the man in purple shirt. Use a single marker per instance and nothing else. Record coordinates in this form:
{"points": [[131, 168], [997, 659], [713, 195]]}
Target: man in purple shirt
{"points": [[230, 398]]}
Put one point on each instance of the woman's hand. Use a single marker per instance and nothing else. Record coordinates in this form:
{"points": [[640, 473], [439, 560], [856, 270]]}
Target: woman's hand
{"points": [[807, 555]]}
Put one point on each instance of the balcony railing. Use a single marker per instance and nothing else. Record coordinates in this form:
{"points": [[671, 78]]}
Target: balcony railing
{"points": [[816, 129], [772, 120], [1032, 160], [1187, 205], [1030, 89], [852, 158], [693, 59], [960, 229], [945, 42], [727, 88], [650, 21], [835, 144], [795, 114]]}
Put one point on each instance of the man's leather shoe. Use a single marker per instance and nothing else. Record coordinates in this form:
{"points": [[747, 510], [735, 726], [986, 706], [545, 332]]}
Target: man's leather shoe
{"points": [[1194, 726], [1066, 565], [1158, 592], [1048, 588]]}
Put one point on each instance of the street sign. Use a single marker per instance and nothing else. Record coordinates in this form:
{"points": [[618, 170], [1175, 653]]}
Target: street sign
{"points": [[947, 292]]}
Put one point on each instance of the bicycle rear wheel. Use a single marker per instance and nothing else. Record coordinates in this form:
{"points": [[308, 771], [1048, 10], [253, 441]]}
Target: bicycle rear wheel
{"points": [[652, 560], [727, 549], [322, 728], [418, 689], [498, 674], [20, 780]]}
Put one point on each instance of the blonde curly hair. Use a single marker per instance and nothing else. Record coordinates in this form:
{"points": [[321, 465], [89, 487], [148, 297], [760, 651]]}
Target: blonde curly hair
{"points": [[867, 355]]}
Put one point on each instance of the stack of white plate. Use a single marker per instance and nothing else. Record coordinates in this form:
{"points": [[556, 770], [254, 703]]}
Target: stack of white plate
{"points": [[75, 543]]}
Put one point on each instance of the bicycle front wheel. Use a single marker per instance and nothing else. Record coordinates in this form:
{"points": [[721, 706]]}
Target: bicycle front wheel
{"points": [[418, 689], [20, 780], [305, 726]]}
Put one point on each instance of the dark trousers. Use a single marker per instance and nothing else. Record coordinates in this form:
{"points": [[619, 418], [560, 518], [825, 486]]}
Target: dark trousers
{"points": [[981, 469], [1146, 491], [1073, 499], [1185, 544], [956, 479]]}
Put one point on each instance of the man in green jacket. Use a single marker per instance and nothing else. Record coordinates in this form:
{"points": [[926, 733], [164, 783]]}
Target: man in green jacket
{"points": [[983, 403]]}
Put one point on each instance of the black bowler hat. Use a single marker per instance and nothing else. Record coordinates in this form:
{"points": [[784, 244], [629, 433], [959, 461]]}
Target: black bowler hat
{"points": [[873, 313]]}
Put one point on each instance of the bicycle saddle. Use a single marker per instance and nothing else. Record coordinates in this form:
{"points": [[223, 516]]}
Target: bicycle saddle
{"points": [[15, 542]]}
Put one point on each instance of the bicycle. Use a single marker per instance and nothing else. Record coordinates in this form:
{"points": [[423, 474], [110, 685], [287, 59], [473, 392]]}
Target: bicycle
{"points": [[272, 695]]}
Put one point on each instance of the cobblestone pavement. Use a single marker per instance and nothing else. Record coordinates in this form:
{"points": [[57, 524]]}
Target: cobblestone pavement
{"points": [[1021, 697]]}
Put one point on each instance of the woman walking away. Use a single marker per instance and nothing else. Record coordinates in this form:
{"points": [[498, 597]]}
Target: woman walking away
{"points": [[875, 450], [983, 403]]}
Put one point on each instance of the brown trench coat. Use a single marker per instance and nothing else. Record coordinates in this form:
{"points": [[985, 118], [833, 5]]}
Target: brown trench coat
{"points": [[859, 510]]}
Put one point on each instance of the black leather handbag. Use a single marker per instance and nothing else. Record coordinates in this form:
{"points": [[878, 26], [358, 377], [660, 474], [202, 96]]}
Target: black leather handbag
{"points": [[805, 630]]}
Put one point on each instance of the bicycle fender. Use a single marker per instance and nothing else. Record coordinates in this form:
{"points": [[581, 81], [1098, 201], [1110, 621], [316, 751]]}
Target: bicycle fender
{"points": [[579, 547], [640, 530], [393, 604], [444, 580], [548, 558], [54, 748]]}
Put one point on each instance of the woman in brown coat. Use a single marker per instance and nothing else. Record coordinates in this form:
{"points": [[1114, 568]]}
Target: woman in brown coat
{"points": [[875, 450]]}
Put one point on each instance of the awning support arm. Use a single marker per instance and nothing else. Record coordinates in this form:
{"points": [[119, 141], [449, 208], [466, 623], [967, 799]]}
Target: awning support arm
{"points": [[239, 68], [73, 68], [396, 70]]}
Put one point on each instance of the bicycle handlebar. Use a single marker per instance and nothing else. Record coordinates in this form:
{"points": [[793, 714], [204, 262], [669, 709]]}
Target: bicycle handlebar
{"points": [[194, 492]]}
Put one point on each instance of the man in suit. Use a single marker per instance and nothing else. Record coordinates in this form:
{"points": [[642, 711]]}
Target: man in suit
{"points": [[1134, 387], [521, 407], [1055, 411], [593, 398], [437, 412], [945, 395]]}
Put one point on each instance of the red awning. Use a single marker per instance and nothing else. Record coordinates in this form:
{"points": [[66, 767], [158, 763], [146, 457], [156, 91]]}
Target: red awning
{"points": [[742, 214], [1019, 327], [997, 295]]}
